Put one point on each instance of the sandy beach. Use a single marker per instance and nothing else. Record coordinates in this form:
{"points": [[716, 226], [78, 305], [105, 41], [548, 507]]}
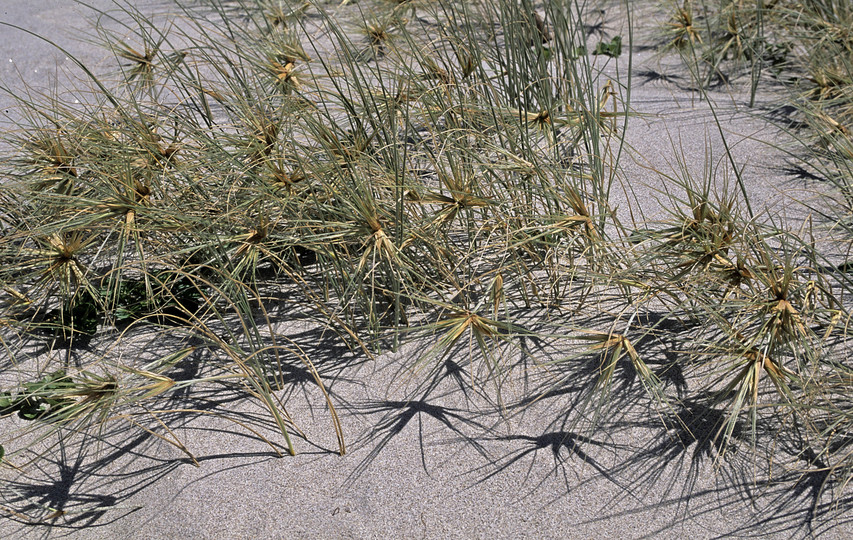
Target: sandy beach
{"points": [[428, 454]]}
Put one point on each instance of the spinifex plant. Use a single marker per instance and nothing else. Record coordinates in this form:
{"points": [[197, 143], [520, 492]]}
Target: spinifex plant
{"points": [[789, 288], [443, 175], [426, 186]]}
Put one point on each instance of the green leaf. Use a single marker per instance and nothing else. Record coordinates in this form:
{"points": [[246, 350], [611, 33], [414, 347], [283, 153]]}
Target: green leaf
{"points": [[7, 403], [32, 409], [51, 383], [612, 49]]}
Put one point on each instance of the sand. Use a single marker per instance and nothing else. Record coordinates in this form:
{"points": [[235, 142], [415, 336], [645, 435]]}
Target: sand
{"points": [[428, 457]]}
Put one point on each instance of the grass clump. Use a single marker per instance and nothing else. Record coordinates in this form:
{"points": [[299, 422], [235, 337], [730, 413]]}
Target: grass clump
{"points": [[385, 191], [444, 174]]}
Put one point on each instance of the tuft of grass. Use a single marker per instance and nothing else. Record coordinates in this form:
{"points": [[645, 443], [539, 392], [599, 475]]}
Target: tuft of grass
{"points": [[452, 183]]}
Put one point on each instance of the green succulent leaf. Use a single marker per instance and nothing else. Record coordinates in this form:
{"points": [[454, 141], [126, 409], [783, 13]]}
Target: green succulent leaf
{"points": [[612, 49]]}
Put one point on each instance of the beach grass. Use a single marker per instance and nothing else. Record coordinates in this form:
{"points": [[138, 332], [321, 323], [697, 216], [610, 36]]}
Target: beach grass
{"points": [[428, 172]]}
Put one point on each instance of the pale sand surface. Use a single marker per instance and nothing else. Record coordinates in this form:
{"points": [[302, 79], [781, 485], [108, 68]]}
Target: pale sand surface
{"points": [[427, 456]]}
